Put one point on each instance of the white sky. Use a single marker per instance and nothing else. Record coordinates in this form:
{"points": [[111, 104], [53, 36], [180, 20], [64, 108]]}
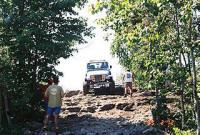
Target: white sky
{"points": [[74, 68]]}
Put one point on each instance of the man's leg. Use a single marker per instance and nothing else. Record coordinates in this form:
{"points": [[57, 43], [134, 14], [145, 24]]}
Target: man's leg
{"points": [[56, 120], [130, 89], [49, 112], [125, 91], [46, 121], [56, 114]]}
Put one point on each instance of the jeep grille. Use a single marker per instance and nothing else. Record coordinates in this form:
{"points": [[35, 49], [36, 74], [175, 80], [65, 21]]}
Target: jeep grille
{"points": [[97, 78]]}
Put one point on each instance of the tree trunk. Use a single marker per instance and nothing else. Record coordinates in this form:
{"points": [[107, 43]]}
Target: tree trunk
{"points": [[4, 109], [182, 106], [194, 89], [157, 116], [182, 97], [181, 80], [192, 95], [1, 108], [194, 77], [7, 110]]}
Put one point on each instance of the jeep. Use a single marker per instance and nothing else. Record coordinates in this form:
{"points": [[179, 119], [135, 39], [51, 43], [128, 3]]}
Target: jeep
{"points": [[98, 78]]}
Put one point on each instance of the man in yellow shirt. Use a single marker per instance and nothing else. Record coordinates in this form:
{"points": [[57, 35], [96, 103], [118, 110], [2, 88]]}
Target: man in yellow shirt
{"points": [[54, 93]]}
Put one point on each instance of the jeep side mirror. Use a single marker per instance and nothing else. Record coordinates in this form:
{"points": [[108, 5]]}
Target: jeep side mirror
{"points": [[110, 66]]}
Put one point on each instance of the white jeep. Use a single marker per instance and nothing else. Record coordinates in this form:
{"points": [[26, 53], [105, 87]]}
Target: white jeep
{"points": [[98, 78]]}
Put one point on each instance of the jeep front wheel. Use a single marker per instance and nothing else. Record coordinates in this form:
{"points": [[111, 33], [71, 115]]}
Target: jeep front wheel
{"points": [[112, 88], [85, 89]]}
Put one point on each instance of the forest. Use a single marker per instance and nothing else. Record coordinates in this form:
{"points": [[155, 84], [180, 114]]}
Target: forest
{"points": [[159, 40]]}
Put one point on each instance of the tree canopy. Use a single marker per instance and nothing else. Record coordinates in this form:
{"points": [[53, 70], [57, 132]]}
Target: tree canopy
{"points": [[34, 35]]}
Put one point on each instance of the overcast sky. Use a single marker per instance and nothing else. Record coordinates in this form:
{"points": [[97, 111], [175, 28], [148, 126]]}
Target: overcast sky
{"points": [[74, 68]]}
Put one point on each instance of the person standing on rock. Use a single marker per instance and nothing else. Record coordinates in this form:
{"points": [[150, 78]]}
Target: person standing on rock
{"points": [[54, 93], [128, 79]]}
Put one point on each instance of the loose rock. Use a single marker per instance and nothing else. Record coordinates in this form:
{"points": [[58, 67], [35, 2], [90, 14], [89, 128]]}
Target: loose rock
{"points": [[121, 106], [107, 107], [73, 109]]}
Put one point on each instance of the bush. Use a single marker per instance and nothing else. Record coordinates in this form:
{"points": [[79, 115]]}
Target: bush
{"points": [[177, 131]]}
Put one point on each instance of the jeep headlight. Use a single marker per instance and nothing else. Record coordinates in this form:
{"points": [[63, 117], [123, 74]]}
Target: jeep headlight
{"points": [[87, 79], [108, 77]]}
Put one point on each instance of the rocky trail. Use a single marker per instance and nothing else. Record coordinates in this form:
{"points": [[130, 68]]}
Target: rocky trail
{"points": [[102, 115]]}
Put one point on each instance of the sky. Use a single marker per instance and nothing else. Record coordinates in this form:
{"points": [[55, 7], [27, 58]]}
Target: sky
{"points": [[74, 68]]}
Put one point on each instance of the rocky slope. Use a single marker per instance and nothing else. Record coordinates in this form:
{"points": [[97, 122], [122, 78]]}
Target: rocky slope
{"points": [[103, 115]]}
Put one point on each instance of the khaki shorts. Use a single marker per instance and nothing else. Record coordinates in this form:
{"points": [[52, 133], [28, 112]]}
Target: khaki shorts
{"points": [[128, 84]]}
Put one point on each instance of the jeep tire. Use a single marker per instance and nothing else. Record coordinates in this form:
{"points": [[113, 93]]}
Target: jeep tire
{"points": [[97, 91], [112, 88], [85, 89]]}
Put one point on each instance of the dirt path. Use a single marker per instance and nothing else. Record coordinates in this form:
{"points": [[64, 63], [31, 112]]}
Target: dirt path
{"points": [[103, 115]]}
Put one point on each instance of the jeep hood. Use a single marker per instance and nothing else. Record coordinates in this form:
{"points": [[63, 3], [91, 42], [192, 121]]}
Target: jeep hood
{"points": [[98, 72]]}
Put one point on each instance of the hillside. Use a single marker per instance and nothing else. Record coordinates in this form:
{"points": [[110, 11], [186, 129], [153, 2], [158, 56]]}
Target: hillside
{"points": [[103, 115]]}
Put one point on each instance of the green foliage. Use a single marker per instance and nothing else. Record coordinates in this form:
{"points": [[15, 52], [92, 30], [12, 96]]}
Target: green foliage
{"points": [[146, 37], [35, 35], [177, 131], [154, 39]]}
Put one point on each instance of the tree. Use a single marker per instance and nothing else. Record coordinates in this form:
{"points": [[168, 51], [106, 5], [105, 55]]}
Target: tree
{"points": [[36, 34], [151, 37], [4, 67]]}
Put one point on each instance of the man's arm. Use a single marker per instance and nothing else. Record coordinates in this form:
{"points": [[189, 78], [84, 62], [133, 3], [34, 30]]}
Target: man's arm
{"points": [[133, 76], [46, 92], [62, 93]]}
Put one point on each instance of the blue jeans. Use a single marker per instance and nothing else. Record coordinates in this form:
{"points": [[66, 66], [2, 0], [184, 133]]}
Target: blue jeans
{"points": [[55, 110]]}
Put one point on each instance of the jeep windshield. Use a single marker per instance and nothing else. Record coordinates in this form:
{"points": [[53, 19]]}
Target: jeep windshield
{"points": [[97, 66]]}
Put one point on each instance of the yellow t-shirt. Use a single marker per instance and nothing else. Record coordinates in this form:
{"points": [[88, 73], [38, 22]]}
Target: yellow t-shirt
{"points": [[54, 94]]}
